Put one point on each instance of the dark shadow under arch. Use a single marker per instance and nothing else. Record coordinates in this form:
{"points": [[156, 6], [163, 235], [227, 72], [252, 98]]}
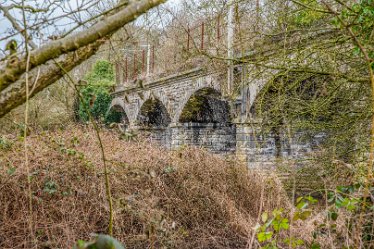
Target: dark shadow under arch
{"points": [[153, 113], [205, 106], [119, 115]]}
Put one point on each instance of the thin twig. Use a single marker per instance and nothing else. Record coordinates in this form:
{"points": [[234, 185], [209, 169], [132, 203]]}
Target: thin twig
{"points": [[250, 243], [96, 128], [29, 193]]}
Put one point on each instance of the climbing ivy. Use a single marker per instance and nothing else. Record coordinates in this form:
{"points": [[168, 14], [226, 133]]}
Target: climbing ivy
{"points": [[102, 70], [96, 94]]}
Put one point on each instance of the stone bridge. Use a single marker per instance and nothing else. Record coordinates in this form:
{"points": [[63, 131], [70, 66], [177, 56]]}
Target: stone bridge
{"points": [[172, 93], [190, 108]]}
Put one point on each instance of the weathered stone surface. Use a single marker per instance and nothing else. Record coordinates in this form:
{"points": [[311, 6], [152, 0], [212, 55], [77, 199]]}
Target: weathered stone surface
{"points": [[232, 135]]}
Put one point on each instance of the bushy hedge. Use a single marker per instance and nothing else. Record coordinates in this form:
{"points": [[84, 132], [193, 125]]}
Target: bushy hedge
{"points": [[96, 94]]}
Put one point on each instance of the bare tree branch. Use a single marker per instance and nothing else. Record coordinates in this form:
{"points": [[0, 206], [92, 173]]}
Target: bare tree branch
{"points": [[121, 5], [71, 43], [46, 74], [15, 25]]}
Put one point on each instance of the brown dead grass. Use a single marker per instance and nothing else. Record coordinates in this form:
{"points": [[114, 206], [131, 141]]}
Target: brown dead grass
{"points": [[181, 199]]}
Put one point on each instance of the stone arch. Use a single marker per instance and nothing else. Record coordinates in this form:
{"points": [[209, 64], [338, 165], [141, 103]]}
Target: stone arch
{"points": [[199, 84], [205, 105], [142, 97], [307, 86], [153, 113], [161, 96], [257, 83], [119, 106]]}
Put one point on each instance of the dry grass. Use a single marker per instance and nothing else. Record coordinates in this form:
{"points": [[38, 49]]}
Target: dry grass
{"points": [[181, 199]]}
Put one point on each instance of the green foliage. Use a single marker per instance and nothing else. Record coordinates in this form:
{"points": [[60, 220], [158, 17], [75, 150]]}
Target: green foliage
{"points": [[100, 242], [73, 152], [304, 17], [70, 152], [269, 233], [342, 198], [102, 70], [360, 18], [50, 187], [96, 94], [348, 204], [128, 136], [11, 170], [5, 144], [345, 206], [11, 46]]}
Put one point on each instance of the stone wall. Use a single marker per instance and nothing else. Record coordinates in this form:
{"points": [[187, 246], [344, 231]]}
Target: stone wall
{"points": [[217, 138], [261, 150], [245, 141]]}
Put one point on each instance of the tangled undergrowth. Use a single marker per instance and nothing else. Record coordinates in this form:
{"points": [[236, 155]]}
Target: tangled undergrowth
{"points": [[186, 198], [181, 199]]}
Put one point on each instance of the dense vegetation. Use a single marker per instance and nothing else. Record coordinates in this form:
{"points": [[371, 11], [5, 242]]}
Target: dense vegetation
{"points": [[181, 199], [95, 98], [307, 67]]}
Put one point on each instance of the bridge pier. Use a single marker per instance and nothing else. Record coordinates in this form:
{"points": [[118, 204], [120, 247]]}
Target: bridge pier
{"points": [[257, 149], [217, 138], [262, 150]]}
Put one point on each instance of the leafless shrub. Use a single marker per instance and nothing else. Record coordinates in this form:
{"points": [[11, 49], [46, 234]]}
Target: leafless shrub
{"points": [[182, 199]]}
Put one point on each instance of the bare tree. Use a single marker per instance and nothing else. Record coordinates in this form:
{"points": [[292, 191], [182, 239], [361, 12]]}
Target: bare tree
{"points": [[50, 61]]}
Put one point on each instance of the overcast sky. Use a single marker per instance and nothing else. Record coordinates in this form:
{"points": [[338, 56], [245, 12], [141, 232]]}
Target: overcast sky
{"points": [[63, 24]]}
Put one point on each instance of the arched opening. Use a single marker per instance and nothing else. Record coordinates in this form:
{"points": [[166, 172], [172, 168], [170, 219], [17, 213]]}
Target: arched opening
{"points": [[153, 114], [118, 115], [205, 122], [292, 108], [292, 96], [205, 106]]}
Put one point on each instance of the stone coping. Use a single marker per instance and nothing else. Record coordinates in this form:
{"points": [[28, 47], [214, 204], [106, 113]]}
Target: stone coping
{"points": [[171, 79]]}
